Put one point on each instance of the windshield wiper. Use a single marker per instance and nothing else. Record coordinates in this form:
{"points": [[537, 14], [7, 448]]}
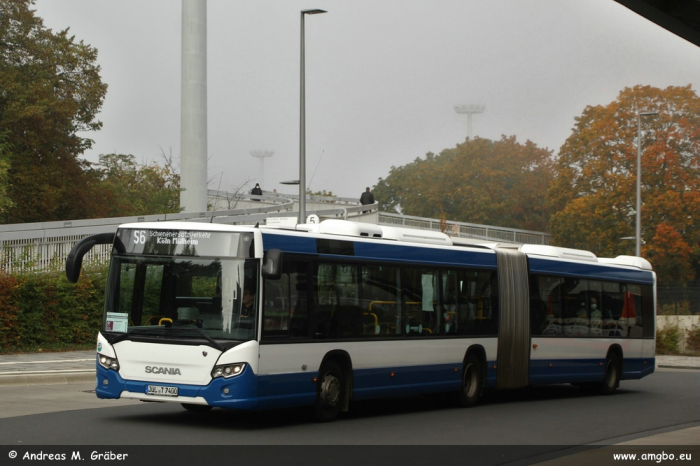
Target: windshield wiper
{"points": [[138, 331], [166, 330], [213, 342]]}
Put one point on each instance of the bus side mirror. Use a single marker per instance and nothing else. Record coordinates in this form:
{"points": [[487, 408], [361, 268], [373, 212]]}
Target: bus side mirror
{"points": [[74, 261], [272, 264]]}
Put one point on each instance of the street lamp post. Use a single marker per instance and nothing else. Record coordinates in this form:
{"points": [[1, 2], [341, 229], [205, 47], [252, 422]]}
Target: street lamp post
{"points": [[302, 122], [638, 229]]}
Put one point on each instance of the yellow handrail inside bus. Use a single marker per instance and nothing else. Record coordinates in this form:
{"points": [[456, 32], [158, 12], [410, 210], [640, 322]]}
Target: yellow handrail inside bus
{"points": [[380, 302], [165, 319], [376, 319], [152, 318]]}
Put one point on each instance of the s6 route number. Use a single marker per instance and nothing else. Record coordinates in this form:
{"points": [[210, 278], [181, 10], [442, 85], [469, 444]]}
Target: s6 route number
{"points": [[140, 237]]}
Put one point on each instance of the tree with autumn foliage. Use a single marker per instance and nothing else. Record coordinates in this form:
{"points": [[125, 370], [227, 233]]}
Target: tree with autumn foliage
{"points": [[134, 188], [5, 201], [479, 181], [594, 193], [50, 92]]}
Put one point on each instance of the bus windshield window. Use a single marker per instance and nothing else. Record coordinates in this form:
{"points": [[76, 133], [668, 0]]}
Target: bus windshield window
{"points": [[217, 297]]}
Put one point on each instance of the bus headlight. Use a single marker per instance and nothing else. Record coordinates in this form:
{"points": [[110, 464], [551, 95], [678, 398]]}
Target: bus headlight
{"points": [[107, 362], [228, 370]]}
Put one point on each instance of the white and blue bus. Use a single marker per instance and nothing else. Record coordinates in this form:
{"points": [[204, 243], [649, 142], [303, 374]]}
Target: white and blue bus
{"points": [[319, 315]]}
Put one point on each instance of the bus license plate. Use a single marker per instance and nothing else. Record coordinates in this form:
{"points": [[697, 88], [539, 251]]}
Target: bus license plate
{"points": [[161, 390]]}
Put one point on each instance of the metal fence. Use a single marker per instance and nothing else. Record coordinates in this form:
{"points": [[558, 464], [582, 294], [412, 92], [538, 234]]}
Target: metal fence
{"points": [[45, 245], [679, 300], [467, 230]]}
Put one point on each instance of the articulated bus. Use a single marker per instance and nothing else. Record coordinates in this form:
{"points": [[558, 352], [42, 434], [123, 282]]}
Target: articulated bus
{"points": [[319, 315]]}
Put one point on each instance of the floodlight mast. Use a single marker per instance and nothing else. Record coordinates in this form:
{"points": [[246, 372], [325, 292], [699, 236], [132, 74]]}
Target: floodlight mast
{"points": [[302, 120], [262, 154], [469, 110]]}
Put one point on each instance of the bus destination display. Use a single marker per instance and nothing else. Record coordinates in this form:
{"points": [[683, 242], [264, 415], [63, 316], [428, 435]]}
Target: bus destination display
{"points": [[183, 243]]}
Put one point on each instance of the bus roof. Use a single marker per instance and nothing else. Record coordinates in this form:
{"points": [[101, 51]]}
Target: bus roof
{"points": [[404, 235]]}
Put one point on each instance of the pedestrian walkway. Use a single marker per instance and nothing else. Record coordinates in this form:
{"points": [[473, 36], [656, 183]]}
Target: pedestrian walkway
{"points": [[47, 368], [678, 362]]}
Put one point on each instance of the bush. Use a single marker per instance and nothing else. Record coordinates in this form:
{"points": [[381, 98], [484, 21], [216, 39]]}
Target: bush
{"points": [[44, 310], [692, 342], [681, 309], [668, 340]]}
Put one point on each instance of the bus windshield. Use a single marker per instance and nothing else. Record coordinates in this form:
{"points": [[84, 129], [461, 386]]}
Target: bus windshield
{"points": [[181, 297]]}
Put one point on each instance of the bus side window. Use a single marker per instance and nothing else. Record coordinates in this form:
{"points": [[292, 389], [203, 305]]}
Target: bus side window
{"points": [[380, 301], [550, 290], [478, 302], [647, 311], [538, 309], [450, 306], [336, 312], [632, 311], [285, 302], [420, 295], [612, 302]]}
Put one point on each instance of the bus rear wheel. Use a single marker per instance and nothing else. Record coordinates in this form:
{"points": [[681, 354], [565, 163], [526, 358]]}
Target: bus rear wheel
{"points": [[471, 382], [329, 395], [613, 368]]}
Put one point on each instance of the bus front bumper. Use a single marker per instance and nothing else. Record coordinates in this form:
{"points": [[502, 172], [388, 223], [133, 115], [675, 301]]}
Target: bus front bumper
{"points": [[239, 392]]}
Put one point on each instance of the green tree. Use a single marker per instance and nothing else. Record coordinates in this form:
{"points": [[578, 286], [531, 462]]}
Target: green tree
{"points": [[479, 181], [50, 91], [5, 201], [594, 193], [137, 189]]}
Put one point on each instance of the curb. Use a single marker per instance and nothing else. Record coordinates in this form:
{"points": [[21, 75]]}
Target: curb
{"points": [[667, 366], [48, 379]]}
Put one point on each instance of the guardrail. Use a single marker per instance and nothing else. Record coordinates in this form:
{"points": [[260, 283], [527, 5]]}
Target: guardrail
{"points": [[45, 245], [466, 230]]}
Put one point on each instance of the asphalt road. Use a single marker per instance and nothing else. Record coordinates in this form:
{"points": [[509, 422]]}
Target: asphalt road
{"points": [[549, 415], [548, 426]]}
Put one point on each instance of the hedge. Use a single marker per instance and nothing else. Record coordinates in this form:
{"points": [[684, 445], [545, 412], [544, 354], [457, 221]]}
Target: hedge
{"points": [[45, 310]]}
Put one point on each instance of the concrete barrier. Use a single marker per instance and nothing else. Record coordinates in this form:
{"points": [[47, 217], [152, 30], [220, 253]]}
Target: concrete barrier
{"points": [[684, 323]]}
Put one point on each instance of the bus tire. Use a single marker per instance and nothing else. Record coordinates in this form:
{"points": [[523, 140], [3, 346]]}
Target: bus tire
{"points": [[329, 394], [613, 368], [472, 382], [196, 408]]}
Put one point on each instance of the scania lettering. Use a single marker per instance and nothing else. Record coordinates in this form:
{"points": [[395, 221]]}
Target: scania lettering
{"points": [[162, 370], [242, 317]]}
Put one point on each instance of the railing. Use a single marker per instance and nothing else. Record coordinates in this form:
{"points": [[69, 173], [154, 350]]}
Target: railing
{"points": [[45, 245], [466, 230]]}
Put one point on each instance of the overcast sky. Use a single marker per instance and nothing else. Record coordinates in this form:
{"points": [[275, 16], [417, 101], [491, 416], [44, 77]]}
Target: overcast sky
{"points": [[382, 78]]}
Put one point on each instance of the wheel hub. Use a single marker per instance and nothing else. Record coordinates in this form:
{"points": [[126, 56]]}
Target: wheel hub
{"points": [[330, 390]]}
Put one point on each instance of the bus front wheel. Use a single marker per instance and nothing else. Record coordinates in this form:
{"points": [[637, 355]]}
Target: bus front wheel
{"points": [[329, 396], [471, 382]]}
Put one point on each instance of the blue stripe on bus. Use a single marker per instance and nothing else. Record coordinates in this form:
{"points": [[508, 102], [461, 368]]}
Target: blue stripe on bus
{"points": [[392, 251], [589, 271], [386, 251], [395, 252], [297, 244], [248, 391], [585, 370], [371, 383]]}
